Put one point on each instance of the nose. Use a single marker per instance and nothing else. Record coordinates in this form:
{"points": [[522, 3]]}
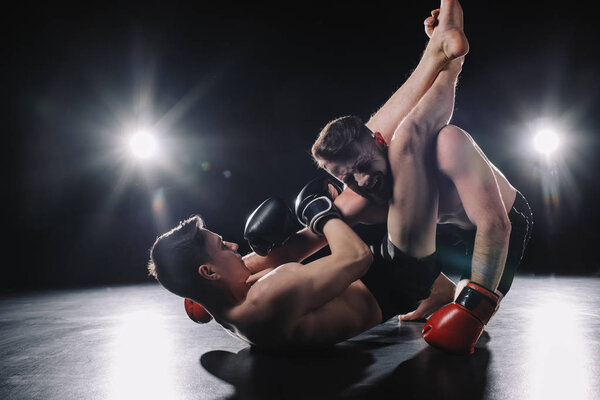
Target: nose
{"points": [[235, 246], [361, 179]]}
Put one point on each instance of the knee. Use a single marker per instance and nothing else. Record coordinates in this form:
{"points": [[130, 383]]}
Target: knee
{"points": [[409, 138], [451, 130]]}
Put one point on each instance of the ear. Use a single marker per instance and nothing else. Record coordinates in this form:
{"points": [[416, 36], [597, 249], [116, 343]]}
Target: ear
{"points": [[379, 140], [207, 272]]}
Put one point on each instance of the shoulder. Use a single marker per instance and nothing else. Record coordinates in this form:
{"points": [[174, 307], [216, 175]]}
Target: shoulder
{"points": [[274, 288], [265, 313]]}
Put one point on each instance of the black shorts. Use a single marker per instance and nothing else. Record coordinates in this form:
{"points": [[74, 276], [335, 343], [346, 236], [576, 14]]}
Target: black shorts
{"points": [[521, 219], [398, 282]]}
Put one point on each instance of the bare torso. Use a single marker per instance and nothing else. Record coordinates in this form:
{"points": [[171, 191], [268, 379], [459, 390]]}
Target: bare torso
{"points": [[345, 316]]}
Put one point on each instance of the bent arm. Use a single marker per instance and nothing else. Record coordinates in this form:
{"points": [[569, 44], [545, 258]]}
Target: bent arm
{"points": [[298, 247], [324, 279], [460, 159]]}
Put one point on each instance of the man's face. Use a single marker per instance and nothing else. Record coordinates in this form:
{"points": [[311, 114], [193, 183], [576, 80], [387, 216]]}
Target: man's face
{"points": [[366, 170], [227, 261]]}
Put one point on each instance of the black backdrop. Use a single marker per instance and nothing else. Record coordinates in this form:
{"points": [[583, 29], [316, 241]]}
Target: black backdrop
{"points": [[237, 93]]}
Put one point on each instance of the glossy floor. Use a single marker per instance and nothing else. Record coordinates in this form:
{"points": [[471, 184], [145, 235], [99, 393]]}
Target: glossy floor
{"points": [[136, 342]]}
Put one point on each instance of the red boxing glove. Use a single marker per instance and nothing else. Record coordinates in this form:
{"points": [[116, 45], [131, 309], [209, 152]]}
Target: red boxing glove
{"points": [[196, 312], [456, 327]]}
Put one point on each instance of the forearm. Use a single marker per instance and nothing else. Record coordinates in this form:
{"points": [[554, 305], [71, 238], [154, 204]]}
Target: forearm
{"points": [[298, 247], [389, 116], [346, 246], [489, 255]]}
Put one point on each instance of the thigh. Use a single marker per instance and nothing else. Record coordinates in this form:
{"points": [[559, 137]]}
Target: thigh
{"points": [[412, 215]]}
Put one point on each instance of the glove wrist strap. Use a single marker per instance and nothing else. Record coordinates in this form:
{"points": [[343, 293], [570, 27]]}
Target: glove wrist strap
{"points": [[480, 301], [319, 211]]}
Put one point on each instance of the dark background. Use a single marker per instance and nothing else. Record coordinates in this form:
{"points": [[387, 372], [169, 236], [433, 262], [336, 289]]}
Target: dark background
{"points": [[238, 92]]}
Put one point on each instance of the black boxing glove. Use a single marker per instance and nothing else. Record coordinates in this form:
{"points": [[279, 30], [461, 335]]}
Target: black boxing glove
{"points": [[269, 226], [314, 204]]}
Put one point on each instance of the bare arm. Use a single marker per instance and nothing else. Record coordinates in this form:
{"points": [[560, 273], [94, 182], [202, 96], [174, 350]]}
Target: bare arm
{"points": [[298, 291], [300, 246], [460, 159]]}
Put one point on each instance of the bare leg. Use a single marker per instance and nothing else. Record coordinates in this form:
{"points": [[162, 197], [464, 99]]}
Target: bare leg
{"points": [[412, 217], [448, 42], [450, 23], [449, 34]]}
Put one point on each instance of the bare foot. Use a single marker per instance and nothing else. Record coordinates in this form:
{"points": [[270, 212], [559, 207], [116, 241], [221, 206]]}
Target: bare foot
{"points": [[441, 294], [445, 26]]}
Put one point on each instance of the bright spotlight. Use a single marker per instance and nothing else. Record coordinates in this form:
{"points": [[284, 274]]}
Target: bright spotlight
{"points": [[546, 141], [143, 144]]}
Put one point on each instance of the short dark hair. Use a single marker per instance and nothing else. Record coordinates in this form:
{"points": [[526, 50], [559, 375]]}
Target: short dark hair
{"points": [[176, 255], [334, 139]]}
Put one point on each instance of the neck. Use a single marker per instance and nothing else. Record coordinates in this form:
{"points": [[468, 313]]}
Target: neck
{"points": [[224, 298]]}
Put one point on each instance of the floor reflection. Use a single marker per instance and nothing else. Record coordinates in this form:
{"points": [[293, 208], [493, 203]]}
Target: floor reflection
{"points": [[137, 343], [558, 358], [141, 365]]}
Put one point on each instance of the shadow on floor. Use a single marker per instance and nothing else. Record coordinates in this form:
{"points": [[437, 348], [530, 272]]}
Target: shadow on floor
{"points": [[317, 374], [343, 371], [433, 374]]}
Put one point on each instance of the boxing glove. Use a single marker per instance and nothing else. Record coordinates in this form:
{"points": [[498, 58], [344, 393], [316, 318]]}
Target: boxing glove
{"points": [[314, 204], [196, 312], [457, 326], [269, 226]]}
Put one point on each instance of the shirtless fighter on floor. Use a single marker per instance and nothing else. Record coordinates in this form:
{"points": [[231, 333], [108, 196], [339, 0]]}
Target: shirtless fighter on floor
{"points": [[325, 301]]}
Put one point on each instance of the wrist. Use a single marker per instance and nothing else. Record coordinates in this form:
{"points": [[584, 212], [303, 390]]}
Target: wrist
{"points": [[478, 300]]}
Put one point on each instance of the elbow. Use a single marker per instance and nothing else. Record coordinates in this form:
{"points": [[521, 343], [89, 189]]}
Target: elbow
{"points": [[366, 259], [363, 259], [355, 262], [498, 228]]}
